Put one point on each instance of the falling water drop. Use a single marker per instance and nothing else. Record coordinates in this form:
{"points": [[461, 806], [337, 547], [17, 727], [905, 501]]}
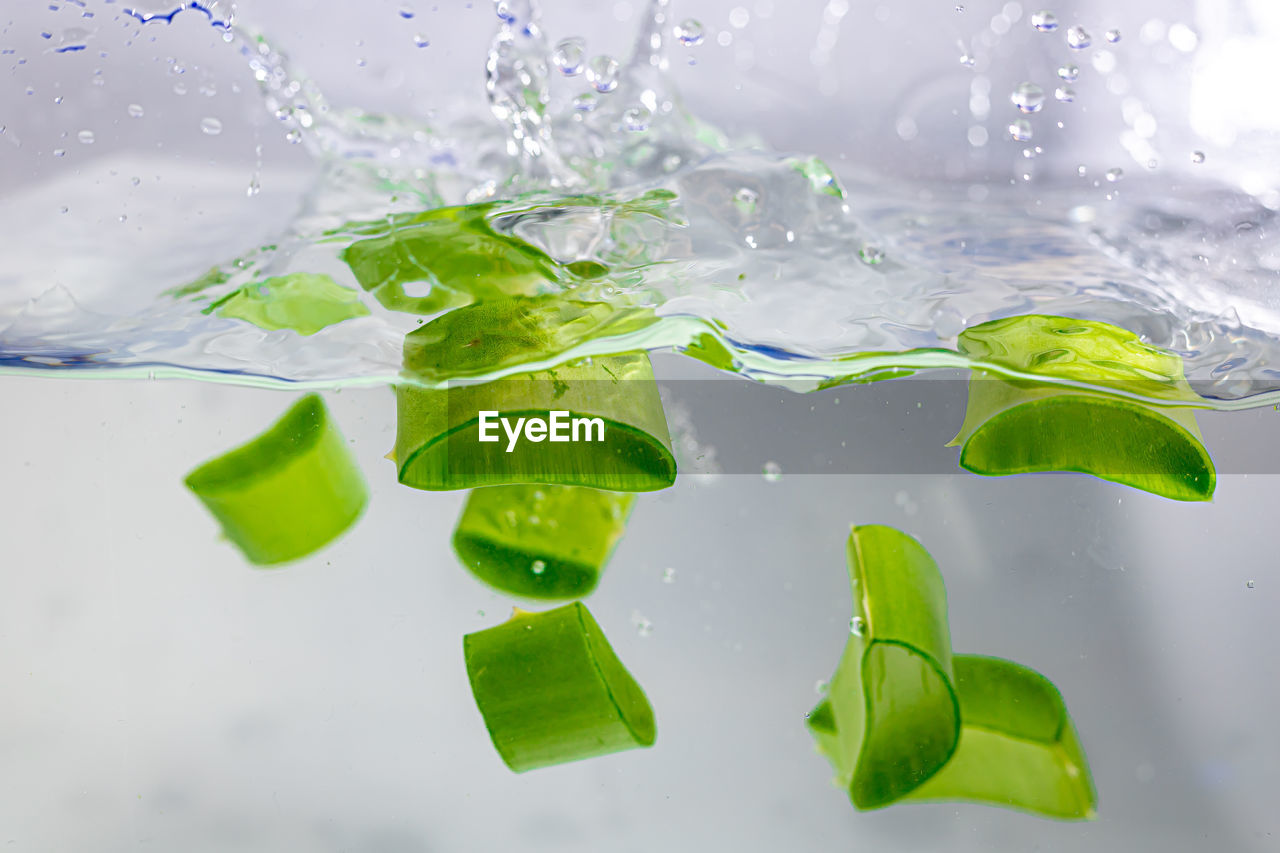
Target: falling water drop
{"points": [[772, 472], [1020, 130], [1027, 97], [85, 137], [1069, 72], [1065, 94], [602, 73], [210, 126], [1044, 21], [637, 119], [1197, 156], [1115, 174], [871, 255], [1078, 38], [688, 32], [1113, 36], [135, 111], [569, 56]]}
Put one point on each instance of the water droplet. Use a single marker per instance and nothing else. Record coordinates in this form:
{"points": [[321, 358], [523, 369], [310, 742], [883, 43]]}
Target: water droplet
{"points": [[1113, 36], [1069, 72], [59, 152], [135, 181], [58, 100], [772, 472], [602, 73], [63, 209], [1027, 97], [1081, 170], [1245, 227], [967, 60], [586, 102], [210, 126], [538, 567], [871, 254], [124, 218], [135, 111], [1044, 21], [688, 32], [1065, 94], [569, 56], [959, 8], [857, 626], [1197, 156], [405, 12], [1115, 174], [820, 686], [1249, 584], [668, 575], [1020, 130], [255, 187], [293, 137], [637, 119], [642, 625], [421, 40], [85, 137], [1078, 38]]}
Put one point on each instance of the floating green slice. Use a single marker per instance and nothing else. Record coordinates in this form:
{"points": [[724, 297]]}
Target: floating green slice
{"points": [[1017, 426], [303, 302], [288, 492], [452, 254], [551, 690], [1018, 746], [547, 542], [890, 719], [438, 431]]}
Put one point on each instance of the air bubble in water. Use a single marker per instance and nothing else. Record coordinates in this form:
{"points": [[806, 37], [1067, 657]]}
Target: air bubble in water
{"points": [[688, 32], [135, 111], [1114, 175], [293, 137], [871, 254], [1197, 156], [1065, 94], [1113, 36], [1027, 97], [210, 126], [1078, 38], [642, 625], [1020, 130], [569, 56], [538, 567], [637, 119], [772, 472], [602, 73], [1044, 21], [586, 102], [85, 137], [421, 40], [1068, 72], [857, 626]]}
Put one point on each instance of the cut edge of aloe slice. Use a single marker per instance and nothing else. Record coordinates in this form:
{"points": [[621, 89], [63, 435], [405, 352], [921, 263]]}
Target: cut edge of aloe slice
{"points": [[288, 492], [551, 690], [541, 542], [1018, 745]]}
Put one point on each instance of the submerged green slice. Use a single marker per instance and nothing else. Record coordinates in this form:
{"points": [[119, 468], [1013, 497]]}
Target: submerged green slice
{"points": [[551, 690], [547, 542], [303, 302], [1017, 426], [288, 492], [1018, 746], [426, 262], [891, 718]]}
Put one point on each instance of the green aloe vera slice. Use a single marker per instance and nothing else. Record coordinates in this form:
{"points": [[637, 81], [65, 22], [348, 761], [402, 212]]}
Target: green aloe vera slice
{"points": [[288, 492], [891, 718], [551, 690], [438, 429], [547, 542], [1018, 746], [1017, 426], [453, 254], [303, 302]]}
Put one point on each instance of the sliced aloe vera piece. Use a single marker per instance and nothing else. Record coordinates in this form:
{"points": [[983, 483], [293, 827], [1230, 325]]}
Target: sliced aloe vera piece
{"points": [[891, 718], [453, 254], [551, 690], [1018, 747], [438, 430], [547, 542], [1017, 426], [288, 492], [303, 302]]}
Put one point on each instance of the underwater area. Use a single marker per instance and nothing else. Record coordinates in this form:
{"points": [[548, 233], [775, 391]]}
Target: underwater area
{"points": [[919, 365]]}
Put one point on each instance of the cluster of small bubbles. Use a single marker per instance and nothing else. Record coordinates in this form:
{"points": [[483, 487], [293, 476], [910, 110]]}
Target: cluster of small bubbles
{"points": [[856, 626], [85, 137], [1068, 72], [210, 126], [1078, 38], [1115, 174], [1027, 97], [421, 40], [569, 56], [586, 102], [1065, 94], [602, 73], [871, 255], [668, 575], [1044, 21], [637, 119], [293, 137], [772, 472], [1020, 130], [538, 567], [688, 32], [135, 111], [1197, 156], [1113, 36]]}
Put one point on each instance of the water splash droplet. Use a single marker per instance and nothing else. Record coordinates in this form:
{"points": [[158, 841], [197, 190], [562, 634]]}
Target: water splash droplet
{"points": [[1249, 584], [1069, 72], [857, 626], [967, 60], [1020, 130], [1197, 156], [642, 625], [1044, 21], [1078, 38], [569, 56], [688, 32], [86, 137], [772, 472], [871, 255], [59, 152], [1065, 94], [1027, 97], [602, 73], [210, 126], [421, 40], [1115, 174], [668, 575], [293, 137], [820, 686], [135, 111], [637, 119], [1113, 36], [538, 567], [586, 102]]}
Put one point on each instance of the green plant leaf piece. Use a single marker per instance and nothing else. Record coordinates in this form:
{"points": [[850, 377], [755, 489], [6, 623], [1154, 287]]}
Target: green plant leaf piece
{"points": [[708, 349], [303, 302], [454, 257], [546, 542], [438, 429], [551, 690], [891, 718], [1017, 425], [288, 492], [1018, 747]]}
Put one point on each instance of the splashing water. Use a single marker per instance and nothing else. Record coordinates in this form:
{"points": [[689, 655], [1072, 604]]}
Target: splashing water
{"points": [[796, 272]]}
